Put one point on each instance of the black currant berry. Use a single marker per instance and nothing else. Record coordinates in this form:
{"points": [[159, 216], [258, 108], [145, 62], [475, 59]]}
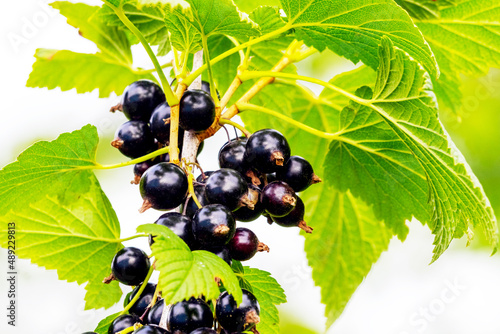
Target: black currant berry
{"points": [[163, 187], [294, 218], [245, 214], [179, 224], [130, 266], [147, 330], [244, 245], [140, 99], [232, 155], [191, 206], [141, 168], [298, 173], [196, 111], [234, 318], [227, 187], [204, 330], [213, 226], [202, 178], [223, 253], [278, 198], [160, 124], [141, 305], [134, 139], [123, 322], [154, 315], [205, 86], [187, 316], [267, 150]]}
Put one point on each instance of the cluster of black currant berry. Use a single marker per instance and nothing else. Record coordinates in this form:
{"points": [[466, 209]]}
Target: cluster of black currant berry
{"points": [[257, 176]]}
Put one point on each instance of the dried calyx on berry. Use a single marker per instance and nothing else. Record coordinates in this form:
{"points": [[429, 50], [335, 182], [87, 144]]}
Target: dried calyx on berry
{"points": [[278, 198], [227, 187], [294, 218], [237, 318]]}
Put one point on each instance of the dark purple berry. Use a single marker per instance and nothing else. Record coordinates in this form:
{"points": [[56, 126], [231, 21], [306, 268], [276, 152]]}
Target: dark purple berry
{"points": [[147, 330], [294, 218], [267, 150], [234, 318], [244, 245], [163, 187], [134, 139], [232, 155], [278, 198], [141, 168], [298, 173], [213, 226], [140, 99], [179, 224], [130, 266], [202, 178], [196, 111], [191, 206], [154, 315], [223, 253], [227, 187], [141, 305], [204, 330], [123, 322], [245, 214], [205, 86], [187, 316], [160, 124]]}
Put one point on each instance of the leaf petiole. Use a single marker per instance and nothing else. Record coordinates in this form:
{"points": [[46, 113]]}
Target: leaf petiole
{"points": [[149, 156], [139, 293], [236, 125]]}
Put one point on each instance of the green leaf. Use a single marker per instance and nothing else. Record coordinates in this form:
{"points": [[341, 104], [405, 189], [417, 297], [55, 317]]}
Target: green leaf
{"points": [[249, 5], [183, 273], [268, 19], [267, 291], [465, 39], [185, 37], [425, 9], [393, 153], [346, 241], [63, 219], [354, 28], [103, 326], [85, 72]]}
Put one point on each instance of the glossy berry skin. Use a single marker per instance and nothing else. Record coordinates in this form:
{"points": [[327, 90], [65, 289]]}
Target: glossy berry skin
{"points": [[223, 253], [144, 300], [243, 245], [160, 130], [205, 86], [179, 224], [130, 266], [154, 315], [134, 139], [234, 318], [123, 322], [245, 214], [267, 150], [148, 330], [232, 155], [142, 167], [197, 111], [278, 198], [294, 217], [297, 172], [140, 99], [204, 330], [187, 316], [227, 187], [213, 226], [203, 179], [164, 186], [191, 208]]}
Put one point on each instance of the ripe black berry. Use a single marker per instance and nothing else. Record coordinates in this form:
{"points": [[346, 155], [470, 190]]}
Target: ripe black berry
{"points": [[140, 99], [191, 206], [294, 218], [227, 187], [197, 111], [278, 198], [244, 245], [160, 124], [213, 225], [141, 305], [179, 224], [148, 330], [187, 316], [205, 86], [154, 315], [134, 139], [245, 214], [236, 318], [298, 174], [163, 187], [204, 330], [223, 253], [123, 322], [130, 266], [267, 150], [202, 178], [232, 155], [141, 168]]}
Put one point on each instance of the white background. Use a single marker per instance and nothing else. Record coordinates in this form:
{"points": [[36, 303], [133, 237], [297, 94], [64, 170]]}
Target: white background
{"points": [[402, 294]]}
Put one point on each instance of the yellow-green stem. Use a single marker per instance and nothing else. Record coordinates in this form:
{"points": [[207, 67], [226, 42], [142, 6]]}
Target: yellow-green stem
{"points": [[236, 125], [139, 293], [213, 89], [149, 156]]}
